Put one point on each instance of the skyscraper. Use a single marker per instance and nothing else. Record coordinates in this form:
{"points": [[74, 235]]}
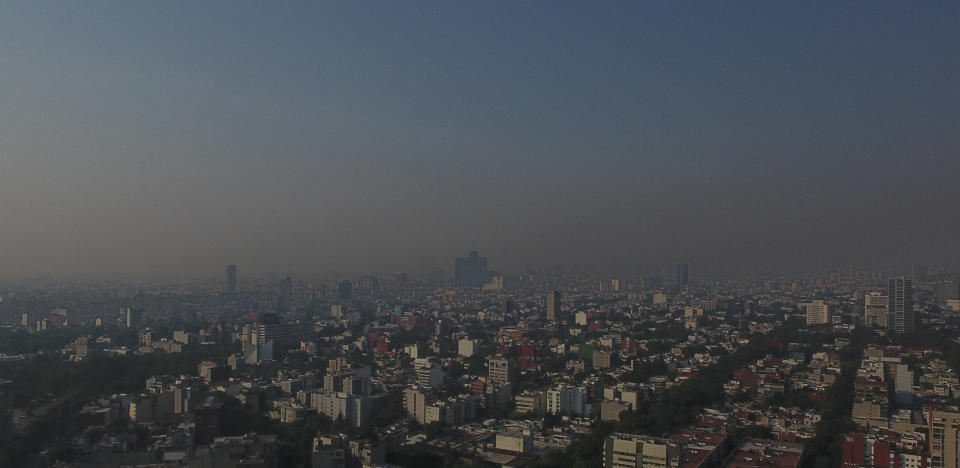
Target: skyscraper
{"points": [[345, 289], [683, 275], [231, 278], [875, 308], [553, 305], [471, 270], [945, 437], [818, 312], [946, 290], [900, 305], [132, 317]]}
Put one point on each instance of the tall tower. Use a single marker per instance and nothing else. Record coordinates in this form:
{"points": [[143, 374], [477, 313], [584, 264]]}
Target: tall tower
{"points": [[900, 305], [553, 305], [471, 270], [683, 275], [231, 278]]}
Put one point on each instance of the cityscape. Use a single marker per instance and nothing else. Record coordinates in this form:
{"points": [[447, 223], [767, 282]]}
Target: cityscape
{"points": [[545, 368], [564, 234]]}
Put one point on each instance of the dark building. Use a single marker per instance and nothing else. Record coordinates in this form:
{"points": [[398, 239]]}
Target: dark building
{"points": [[900, 305], [553, 306], [507, 306], [345, 290], [231, 278], [683, 275], [471, 270], [133, 317], [208, 420]]}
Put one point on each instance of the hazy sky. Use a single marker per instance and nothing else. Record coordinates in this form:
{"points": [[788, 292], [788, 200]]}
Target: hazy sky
{"points": [[166, 138]]}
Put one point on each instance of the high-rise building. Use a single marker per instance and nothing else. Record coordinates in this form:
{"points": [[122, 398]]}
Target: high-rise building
{"points": [[946, 290], [231, 278], [633, 451], [471, 270], [818, 312], [553, 306], [683, 275], [345, 289], [875, 310], [429, 373], [900, 305], [132, 317], [945, 426], [498, 370]]}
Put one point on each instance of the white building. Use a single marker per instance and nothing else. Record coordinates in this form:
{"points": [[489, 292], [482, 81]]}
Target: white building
{"points": [[467, 347]]}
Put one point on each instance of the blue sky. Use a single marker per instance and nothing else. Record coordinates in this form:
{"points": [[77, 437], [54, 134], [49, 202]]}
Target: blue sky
{"points": [[170, 138]]}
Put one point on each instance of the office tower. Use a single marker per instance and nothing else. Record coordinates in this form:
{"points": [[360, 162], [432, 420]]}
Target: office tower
{"points": [[875, 310], [900, 305], [631, 450], [903, 384], [345, 290], [818, 312], [471, 270], [567, 400], [683, 275], [553, 306], [132, 317], [498, 370], [284, 334], [945, 426], [231, 278], [946, 290]]}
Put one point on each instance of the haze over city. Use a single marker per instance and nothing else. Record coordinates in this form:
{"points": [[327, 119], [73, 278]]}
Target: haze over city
{"points": [[167, 139]]}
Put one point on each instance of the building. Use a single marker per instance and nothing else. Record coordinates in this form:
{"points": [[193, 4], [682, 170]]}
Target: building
{"points": [[601, 359], [132, 317], [471, 270], [773, 453], [639, 451], [210, 371], [947, 290], [283, 334], [900, 305], [946, 438], [231, 278], [345, 290], [531, 402], [553, 306], [467, 347], [81, 347], [818, 312], [499, 370], [429, 373], [567, 400], [683, 275], [515, 442], [903, 384], [875, 308]]}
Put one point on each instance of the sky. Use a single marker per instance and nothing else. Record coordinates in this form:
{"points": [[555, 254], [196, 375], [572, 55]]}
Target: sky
{"points": [[168, 139]]}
